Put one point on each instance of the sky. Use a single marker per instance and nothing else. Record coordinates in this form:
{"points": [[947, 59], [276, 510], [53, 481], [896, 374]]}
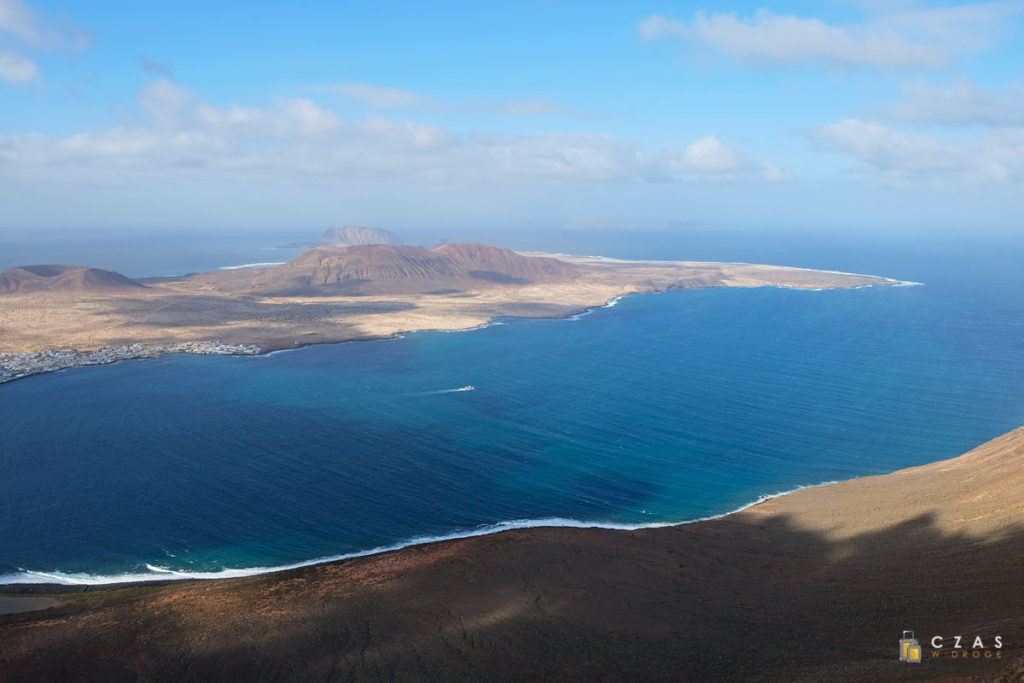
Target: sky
{"points": [[842, 115]]}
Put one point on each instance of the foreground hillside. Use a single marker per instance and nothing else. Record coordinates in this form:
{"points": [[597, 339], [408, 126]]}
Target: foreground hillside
{"points": [[815, 585], [334, 294]]}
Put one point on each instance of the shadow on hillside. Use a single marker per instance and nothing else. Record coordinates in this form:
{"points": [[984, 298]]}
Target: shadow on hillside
{"points": [[739, 598], [498, 278]]}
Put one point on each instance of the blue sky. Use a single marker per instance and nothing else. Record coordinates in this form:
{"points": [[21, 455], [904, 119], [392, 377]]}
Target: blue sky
{"points": [[845, 115]]}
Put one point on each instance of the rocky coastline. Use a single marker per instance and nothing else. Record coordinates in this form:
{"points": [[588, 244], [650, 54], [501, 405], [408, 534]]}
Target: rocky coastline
{"points": [[18, 365]]}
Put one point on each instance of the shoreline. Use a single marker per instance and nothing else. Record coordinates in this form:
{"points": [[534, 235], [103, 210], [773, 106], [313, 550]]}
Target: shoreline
{"points": [[13, 365], [163, 575], [839, 569], [67, 359], [54, 360]]}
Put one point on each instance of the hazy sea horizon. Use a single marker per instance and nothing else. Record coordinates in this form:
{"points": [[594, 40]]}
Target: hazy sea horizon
{"points": [[663, 408]]}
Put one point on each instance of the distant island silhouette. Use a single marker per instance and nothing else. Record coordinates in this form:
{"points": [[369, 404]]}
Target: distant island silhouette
{"points": [[348, 236]]}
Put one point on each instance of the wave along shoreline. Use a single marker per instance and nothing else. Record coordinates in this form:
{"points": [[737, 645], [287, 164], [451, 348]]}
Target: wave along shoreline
{"points": [[157, 573], [264, 264]]}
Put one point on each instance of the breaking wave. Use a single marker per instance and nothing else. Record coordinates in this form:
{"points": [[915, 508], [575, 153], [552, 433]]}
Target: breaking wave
{"points": [[253, 265]]}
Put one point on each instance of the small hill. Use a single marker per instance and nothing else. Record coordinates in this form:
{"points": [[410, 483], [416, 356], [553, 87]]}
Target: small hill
{"points": [[352, 235], [387, 268], [48, 278], [484, 262]]}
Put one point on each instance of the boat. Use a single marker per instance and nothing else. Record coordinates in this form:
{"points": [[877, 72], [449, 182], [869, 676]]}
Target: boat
{"points": [[468, 387]]}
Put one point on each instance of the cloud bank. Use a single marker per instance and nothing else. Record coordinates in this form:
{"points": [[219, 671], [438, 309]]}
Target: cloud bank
{"points": [[995, 156], [964, 103], [177, 132], [30, 31], [901, 38]]}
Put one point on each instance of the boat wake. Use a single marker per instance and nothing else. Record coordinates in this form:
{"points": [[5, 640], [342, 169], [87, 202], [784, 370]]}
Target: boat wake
{"points": [[468, 387]]}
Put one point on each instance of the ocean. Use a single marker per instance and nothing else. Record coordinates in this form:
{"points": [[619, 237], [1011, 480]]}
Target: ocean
{"points": [[658, 409]]}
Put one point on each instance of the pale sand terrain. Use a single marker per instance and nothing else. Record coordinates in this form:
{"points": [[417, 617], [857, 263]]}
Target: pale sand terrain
{"points": [[816, 585], [212, 306]]}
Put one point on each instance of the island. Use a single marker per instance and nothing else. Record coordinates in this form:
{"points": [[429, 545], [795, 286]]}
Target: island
{"points": [[348, 236], [52, 317]]}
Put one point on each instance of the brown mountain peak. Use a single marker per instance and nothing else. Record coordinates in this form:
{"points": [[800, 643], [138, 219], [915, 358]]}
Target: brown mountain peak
{"points": [[63, 278]]}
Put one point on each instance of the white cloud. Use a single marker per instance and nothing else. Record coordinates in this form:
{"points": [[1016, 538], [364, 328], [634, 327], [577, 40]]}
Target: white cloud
{"points": [[974, 26], [784, 39], [657, 26], [297, 138], [536, 107], [406, 134], [380, 97], [17, 69], [168, 105], [29, 26], [962, 103], [307, 117], [165, 101], [566, 156], [20, 20], [708, 154], [906, 38], [899, 157], [878, 145], [30, 30], [289, 117], [712, 158]]}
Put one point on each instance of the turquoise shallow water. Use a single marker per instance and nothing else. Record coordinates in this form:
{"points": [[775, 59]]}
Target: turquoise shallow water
{"points": [[661, 408]]}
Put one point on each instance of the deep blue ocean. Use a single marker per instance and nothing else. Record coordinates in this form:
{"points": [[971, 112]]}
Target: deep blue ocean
{"points": [[661, 408]]}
